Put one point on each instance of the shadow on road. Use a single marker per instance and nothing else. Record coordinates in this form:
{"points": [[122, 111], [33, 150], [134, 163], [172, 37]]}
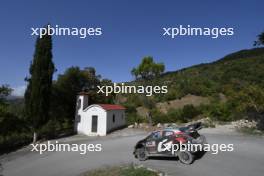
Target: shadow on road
{"points": [[197, 155]]}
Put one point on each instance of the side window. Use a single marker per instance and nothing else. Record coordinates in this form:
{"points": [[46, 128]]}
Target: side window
{"points": [[113, 118], [167, 133], [156, 135]]}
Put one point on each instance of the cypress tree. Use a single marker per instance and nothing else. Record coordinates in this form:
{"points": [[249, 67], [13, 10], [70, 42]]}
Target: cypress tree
{"points": [[37, 95]]}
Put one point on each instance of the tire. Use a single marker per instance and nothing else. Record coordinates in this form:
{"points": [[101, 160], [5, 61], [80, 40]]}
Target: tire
{"points": [[186, 157], [141, 154]]}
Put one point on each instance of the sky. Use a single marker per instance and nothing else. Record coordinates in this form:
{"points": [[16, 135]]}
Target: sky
{"points": [[131, 30]]}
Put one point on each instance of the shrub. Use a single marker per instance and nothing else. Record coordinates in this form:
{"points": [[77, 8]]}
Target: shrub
{"points": [[189, 112], [176, 115], [132, 118], [158, 117]]}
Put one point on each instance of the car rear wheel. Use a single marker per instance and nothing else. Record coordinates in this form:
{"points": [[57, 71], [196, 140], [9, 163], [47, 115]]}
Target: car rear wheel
{"points": [[141, 154], [186, 157]]}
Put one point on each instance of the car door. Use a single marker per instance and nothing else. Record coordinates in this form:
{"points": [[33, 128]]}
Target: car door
{"points": [[152, 142], [164, 145]]}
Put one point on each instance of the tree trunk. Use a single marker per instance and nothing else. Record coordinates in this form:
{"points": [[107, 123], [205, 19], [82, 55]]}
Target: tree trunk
{"points": [[35, 136], [150, 119]]}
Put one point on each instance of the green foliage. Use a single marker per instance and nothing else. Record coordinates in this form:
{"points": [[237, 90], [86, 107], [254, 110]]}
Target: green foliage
{"points": [[246, 53], [132, 171], [250, 98], [53, 128], [220, 112], [14, 140], [125, 170], [189, 112], [176, 115], [4, 92], [37, 95], [13, 130], [68, 85], [260, 40], [250, 101], [148, 69], [16, 106], [131, 114], [229, 76], [158, 117], [183, 115], [9, 123], [133, 117]]}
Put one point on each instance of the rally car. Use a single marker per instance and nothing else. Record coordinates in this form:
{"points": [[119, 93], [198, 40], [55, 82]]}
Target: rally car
{"points": [[158, 143]]}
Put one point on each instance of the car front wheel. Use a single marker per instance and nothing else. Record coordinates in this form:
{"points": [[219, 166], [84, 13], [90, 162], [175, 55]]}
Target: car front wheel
{"points": [[141, 154]]}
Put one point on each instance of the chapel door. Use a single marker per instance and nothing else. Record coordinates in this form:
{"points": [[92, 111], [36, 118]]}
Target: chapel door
{"points": [[94, 123]]}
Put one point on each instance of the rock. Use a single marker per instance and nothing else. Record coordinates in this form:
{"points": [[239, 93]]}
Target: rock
{"points": [[130, 126], [245, 124], [166, 125], [159, 125], [143, 125], [174, 124]]}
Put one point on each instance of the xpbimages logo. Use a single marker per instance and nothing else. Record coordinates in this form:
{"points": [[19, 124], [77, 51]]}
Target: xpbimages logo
{"points": [[168, 145], [132, 89], [188, 30], [82, 32], [59, 147]]}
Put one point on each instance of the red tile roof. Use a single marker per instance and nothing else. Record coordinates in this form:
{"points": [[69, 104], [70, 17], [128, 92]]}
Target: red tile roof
{"points": [[112, 107]]}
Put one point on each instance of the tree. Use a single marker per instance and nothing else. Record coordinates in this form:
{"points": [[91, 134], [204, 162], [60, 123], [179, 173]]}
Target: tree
{"points": [[10, 124], [148, 69], [37, 95], [135, 72], [73, 81], [260, 40], [250, 100], [4, 92]]}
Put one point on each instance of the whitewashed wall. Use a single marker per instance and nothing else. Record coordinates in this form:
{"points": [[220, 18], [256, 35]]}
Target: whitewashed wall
{"points": [[83, 124]]}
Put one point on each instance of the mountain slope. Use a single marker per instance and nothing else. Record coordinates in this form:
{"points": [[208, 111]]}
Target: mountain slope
{"points": [[222, 82], [232, 72]]}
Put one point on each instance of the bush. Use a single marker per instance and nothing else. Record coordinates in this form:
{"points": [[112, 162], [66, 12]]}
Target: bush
{"points": [[183, 115], [121, 171], [220, 112], [260, 124], [132, 118], [189, 112], [14, 141], [159, 117], [176, 115]]}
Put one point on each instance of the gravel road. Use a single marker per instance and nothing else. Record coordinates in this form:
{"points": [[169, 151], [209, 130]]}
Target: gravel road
{"points": [[246, 159]]}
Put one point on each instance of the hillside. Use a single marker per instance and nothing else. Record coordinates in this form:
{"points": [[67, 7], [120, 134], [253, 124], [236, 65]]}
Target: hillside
{"points": [[235, 70], [226, 77]]}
